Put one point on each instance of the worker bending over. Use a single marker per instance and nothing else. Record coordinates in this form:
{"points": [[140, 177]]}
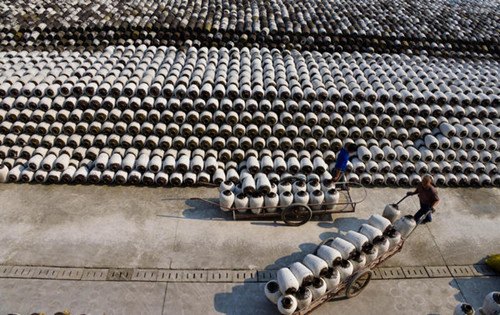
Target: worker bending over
{"points": [[341, 164]]}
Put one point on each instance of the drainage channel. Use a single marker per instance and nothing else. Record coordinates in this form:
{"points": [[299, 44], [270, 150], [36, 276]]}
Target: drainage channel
{"points": [[200, 276]]}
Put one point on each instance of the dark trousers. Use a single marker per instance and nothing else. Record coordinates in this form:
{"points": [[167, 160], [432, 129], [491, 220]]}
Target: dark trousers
{"points": [[423, 210]]}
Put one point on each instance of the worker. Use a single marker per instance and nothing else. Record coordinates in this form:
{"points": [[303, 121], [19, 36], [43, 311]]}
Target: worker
{"points": [[429, 199], [345, 153]]}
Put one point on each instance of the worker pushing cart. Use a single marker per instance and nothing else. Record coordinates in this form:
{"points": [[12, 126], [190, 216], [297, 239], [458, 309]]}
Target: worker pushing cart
{"points": [[352, 257], [429, 199]]}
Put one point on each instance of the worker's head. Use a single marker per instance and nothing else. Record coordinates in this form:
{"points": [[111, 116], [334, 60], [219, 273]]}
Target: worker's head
{"points": [[351, 148], [427, 181]]}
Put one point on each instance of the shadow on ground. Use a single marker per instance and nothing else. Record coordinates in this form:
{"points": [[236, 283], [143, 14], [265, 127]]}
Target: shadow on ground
{"points": [[472, 290], [247, 298], [202, 210], [340, 226]]}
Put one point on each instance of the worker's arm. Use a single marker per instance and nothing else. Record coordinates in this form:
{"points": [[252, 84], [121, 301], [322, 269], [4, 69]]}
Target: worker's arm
{"points": [[411, 193], [435, 204]]}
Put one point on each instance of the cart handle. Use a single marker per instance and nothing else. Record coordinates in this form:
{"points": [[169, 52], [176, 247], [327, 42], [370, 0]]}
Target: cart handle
{"points": [[397, 203]]}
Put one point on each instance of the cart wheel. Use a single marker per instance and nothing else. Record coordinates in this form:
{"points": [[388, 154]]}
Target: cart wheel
{"points": [[324, 242], [296, 215], [358, 284]]}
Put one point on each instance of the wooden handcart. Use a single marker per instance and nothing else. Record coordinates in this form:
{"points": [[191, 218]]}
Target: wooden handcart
{"points": [[298, 214]]}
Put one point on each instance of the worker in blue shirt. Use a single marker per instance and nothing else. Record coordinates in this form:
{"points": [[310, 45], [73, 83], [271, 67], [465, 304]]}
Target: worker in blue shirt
{"points": [[345, 153]]}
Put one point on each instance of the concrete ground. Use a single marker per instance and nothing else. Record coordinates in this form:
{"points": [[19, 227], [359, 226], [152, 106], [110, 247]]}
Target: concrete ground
{"points": [[141, 227], [420, 296]]}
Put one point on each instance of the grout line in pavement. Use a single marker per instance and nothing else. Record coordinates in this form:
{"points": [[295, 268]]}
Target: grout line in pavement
{"points": [[460, 290], [437, 246], [164, 299]]}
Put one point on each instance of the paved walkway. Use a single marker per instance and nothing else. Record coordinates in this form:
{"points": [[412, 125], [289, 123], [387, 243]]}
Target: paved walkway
{"points": [[123, 230], [409, 296]]}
